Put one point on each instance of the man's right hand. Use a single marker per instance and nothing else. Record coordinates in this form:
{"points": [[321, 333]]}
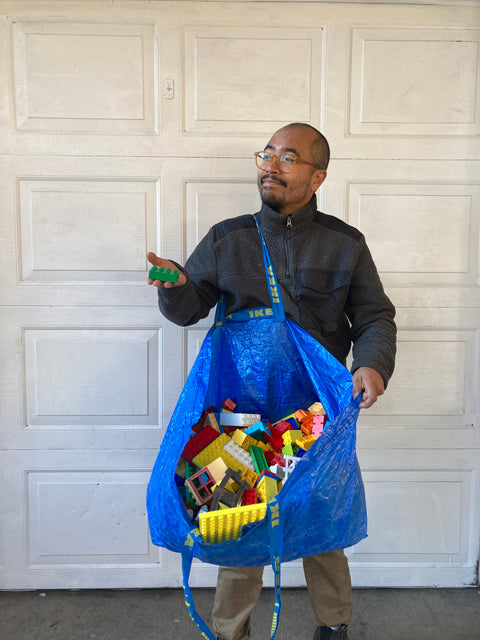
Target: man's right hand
{"points": [[166, 264]]}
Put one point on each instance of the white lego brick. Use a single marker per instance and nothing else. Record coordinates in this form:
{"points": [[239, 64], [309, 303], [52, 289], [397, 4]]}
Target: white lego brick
{"points": [[239, 419], [278, 471], [290, 464], [239, 454]]}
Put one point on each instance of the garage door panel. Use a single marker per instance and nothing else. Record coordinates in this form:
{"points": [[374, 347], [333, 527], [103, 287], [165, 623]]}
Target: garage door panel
{"points": [[56, 65]]}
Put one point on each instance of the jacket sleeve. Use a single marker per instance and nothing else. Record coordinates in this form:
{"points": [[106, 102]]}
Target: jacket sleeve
{"points": [[188, 304], [371, 314]]}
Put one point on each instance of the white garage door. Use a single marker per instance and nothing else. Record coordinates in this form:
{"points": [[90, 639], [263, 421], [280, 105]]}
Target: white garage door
{"points": [[128, 127]]}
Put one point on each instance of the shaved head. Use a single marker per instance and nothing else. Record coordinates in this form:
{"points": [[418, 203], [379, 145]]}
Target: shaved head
{"points": [[319, 148]]}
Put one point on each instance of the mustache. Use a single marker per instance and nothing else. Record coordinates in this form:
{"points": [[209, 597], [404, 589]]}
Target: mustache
{"points": [[273, 178]]}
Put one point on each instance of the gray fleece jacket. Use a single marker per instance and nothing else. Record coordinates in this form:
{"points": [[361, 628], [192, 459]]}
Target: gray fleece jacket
{"points": [[328, 282]]}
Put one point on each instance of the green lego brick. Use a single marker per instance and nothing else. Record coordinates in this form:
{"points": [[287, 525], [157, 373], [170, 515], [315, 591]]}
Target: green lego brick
{"points": [[290, 449], [259, 459], [166, 275]]}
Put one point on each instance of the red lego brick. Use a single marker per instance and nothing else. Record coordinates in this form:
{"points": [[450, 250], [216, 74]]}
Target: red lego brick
{"points": [[249, 497], [278, 459], [275, 440], [269, 457], [228, 429], [228, 405], [283, 426], [198, 442]]}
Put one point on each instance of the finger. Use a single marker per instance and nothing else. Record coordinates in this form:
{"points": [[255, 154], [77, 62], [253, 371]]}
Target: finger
{"points": [[357, 388], [154, 259], [156, 283], [369, 397], [357, 384]]}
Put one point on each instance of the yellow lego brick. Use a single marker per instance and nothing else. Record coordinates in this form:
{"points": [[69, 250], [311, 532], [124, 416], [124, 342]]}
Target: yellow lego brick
{"points": [[218, 526], [305, 442], [267, 489], [288, 437], [243, 439], [250, 476], [217, 468]]}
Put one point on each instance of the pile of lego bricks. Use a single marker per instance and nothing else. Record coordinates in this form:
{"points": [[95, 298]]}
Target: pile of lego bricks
{"points": [[235, 463]]}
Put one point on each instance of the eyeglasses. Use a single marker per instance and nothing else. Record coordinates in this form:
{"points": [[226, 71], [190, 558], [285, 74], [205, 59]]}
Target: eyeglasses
{"points": [[286, 161]]}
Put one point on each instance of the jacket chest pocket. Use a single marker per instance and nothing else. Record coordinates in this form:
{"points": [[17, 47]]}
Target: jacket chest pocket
{"points": [[321, 297]]}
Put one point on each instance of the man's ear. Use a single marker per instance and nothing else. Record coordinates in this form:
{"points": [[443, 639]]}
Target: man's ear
{"points": [[319, 176]]}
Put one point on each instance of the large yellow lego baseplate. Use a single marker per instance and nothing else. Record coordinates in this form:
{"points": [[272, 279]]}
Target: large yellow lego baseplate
{"points": [[218, 526]]}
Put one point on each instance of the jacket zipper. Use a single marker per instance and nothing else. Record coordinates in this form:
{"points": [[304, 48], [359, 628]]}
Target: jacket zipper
{"points": [[286, 245]]}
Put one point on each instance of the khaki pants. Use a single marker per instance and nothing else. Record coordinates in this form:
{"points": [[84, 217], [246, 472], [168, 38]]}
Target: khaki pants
{"points": [[329, 587]]}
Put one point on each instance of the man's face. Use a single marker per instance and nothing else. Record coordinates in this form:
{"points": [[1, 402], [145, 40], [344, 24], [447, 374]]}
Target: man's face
{"points": [[289, 192]]}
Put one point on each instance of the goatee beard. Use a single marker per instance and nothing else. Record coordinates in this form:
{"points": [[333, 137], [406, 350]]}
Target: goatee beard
{"points": [[267, 197], [272, 201]]}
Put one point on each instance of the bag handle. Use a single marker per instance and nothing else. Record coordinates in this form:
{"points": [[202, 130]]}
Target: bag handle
{"points": [[276, 548], [276, 544], [273, 288], [187, 556]]}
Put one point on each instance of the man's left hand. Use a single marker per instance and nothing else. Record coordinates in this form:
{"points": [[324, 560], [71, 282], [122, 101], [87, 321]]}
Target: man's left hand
{"points": [[370, 382]]}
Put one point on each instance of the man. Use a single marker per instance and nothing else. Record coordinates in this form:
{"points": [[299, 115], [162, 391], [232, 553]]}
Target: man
{"points": [[329, 285]]}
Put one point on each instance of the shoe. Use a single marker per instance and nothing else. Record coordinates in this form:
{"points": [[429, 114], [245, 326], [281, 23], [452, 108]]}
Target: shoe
{"points": [[325, 633]]}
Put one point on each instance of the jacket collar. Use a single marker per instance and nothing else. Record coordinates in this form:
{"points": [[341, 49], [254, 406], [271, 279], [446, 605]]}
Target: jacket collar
{"points": [[271, 220]]}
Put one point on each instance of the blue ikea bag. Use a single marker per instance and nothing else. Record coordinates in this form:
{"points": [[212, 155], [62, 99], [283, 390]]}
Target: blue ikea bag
{"points": [[269, 365]]}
